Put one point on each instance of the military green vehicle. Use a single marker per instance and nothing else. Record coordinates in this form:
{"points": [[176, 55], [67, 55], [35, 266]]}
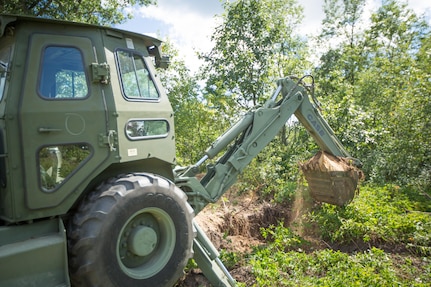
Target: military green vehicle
{"points": [[89, 191]]}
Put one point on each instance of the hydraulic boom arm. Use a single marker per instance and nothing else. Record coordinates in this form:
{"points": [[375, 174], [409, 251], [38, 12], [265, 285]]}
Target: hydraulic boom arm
{"points": [[250, 135]]}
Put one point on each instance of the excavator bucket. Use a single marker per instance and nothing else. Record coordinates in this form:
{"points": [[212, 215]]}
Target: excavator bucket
{"points": [[331, 179]]}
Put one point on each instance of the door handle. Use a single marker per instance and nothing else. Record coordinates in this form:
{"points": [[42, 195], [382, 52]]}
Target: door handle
{"points": [[48, 130]]}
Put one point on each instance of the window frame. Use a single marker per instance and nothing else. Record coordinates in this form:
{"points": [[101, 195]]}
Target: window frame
{"points": [[120, 76], [69, 175], [146, 137], [41, 70]]}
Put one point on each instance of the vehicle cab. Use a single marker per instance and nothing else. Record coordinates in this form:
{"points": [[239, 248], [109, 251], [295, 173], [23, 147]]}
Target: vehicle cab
{"points": [[78, 103]]}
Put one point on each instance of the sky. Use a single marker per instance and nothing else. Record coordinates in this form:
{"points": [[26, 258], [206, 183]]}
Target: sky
{"points": [[189, 24]]}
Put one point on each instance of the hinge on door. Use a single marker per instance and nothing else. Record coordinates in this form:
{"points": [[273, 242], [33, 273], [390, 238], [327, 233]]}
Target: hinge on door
{"points": [[111, 139], [100, 73]]}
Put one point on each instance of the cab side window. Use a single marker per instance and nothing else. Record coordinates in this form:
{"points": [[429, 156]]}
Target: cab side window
{"points": [[5, 54], [136, 80], [62, 74], [58, 162]]}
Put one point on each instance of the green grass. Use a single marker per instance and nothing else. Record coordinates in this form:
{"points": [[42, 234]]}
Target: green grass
{"points": [[380, 217], [327, 267]]}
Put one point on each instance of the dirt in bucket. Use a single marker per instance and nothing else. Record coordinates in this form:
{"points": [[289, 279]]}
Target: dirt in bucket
{"points": [[331, 179]]}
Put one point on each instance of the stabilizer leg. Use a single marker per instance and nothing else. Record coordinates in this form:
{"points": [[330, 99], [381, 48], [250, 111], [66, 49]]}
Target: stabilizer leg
{"points": [[207, 258]]}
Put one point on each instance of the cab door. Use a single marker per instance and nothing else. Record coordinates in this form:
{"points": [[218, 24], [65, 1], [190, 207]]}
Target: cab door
{"points": [[62, 118]]}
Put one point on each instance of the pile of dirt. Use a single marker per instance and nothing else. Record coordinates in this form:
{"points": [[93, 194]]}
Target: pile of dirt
{"points": [[236, 227]]}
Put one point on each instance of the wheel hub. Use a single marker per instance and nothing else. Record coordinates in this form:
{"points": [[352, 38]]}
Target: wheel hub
{"points": [[146, 242], [142, 240]]}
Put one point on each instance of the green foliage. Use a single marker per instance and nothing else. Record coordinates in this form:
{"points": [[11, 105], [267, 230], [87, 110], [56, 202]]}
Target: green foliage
{"points": [[231, 259], [274, 173], [281, 238], [197, 125], [255, 45], [88, 11], [379, 214], [333, 268], [282, 262], [268, 177], [377, 91]]}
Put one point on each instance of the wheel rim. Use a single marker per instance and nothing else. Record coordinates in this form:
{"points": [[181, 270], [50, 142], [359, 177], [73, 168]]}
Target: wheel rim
{"points": [[146, 243]]}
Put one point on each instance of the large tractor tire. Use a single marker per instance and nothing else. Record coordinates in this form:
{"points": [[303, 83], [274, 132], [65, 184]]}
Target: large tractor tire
{"points": [[135, 230]]}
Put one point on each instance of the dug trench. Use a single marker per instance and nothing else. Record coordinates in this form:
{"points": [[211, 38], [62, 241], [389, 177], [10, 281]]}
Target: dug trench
{"points": [[234, 226]]}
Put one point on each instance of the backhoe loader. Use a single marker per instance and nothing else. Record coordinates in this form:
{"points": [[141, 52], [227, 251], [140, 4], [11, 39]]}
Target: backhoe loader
{"points": [[89, 192]]}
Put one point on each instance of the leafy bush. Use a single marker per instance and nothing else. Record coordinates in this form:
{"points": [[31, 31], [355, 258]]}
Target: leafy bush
{"points": [[231, 259], [274, 173], [333, 268], [378, 214], [282, 238], [275, 266]]}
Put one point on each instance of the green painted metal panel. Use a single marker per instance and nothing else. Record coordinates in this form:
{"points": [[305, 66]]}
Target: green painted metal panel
{"points": [[34, 255]]}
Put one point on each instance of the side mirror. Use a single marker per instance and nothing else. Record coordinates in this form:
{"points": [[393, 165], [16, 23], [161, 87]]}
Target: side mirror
{"points": [[163, 62]]}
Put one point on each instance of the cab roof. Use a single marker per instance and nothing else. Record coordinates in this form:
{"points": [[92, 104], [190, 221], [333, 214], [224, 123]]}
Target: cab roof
{"points": [[152, 44]]}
